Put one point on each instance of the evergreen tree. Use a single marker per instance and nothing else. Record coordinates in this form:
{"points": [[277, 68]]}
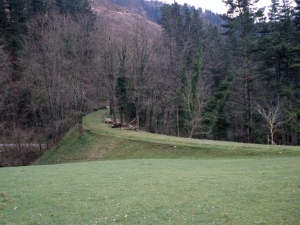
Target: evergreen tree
{"points": [[73, 6], [215, 123], [197, 28], [17, 13], [4, 14], [297, 15], [241, 35], [122, 83], [39, 6], [173, 26], [279, 54]]}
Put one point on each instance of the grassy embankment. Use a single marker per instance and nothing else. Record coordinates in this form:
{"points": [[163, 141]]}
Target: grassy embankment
{"points": [[101, 142], [234, 184]]}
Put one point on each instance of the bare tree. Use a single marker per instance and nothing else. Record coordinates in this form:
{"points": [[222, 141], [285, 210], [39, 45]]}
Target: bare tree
{"points": [[195, 109], [5, 74], [43, 64], [141, 47], [56, 59], [79, 51], [194, 96], [273, 115], [5, 70], [110, 70]]}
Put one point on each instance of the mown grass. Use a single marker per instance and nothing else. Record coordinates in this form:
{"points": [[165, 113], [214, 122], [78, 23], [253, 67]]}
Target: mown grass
{"points": [[154, 191], [102, 142], [160, 180]]}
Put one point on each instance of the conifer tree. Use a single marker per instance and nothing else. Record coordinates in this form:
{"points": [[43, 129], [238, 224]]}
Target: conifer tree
{"points": [[38, 6], [241, 34], [215, 122], [279, 54], [297, 15], [121, 86]]}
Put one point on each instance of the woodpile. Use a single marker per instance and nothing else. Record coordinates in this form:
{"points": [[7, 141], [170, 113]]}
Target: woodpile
{"points": [[108, 120], [117, 124], [129, 127]]}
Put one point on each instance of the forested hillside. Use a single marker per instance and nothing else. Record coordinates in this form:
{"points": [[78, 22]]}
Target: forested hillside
{"points": [[151, 10], [61, 59]]}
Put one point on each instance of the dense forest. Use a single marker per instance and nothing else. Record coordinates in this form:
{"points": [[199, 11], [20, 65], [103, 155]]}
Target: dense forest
{"points": [[59, 61]]}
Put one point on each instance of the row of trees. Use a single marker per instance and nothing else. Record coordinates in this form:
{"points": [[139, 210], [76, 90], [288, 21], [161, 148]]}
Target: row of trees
{"points": [[240, 86], [265, 54], [46, 49], [188, 80]]}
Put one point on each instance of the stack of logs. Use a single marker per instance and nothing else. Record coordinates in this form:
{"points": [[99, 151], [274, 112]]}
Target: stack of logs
{"points": [[117, 124]]}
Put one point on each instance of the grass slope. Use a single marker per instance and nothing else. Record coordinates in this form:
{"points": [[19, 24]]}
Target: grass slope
{"points": [[101, 142], [156, 184], [154, 191]]}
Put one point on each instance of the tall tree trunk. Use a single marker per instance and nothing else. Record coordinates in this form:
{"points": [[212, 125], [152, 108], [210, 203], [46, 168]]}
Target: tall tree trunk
{"points": [[137, 112], [177, 121], [80, 126]]}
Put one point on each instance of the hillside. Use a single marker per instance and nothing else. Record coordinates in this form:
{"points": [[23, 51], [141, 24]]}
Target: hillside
{"points": [[101, 142], [119, 21], [151, 10]]}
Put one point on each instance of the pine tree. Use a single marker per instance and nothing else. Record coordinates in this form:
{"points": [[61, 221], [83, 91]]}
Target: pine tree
{"points": [[297, 15], [215, 122], [122, 83], [173, 26], [38, 6], [18, 13], [73, 6], [279, 54], [197, 29], [241, 34]]}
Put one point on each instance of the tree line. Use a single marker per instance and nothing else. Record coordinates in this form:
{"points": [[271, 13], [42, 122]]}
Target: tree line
{"points": [[46, 48], [59, 61]]}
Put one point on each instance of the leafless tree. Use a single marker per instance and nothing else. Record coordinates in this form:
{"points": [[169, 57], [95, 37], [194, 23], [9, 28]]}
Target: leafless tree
{"points": [[109, 69], [43, 64], [273, 115], [79, 51], [195, 109], [5, 74], [56, 57], [141, 51]]}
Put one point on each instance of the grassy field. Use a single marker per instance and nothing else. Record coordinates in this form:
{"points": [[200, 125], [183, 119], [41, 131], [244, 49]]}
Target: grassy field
{"points": [[154, 191], [112, 176], [100, 142]]}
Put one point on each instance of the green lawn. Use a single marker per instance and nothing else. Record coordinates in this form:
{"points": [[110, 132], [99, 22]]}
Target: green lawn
{"points": [[112, 176], [154, 191]]}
